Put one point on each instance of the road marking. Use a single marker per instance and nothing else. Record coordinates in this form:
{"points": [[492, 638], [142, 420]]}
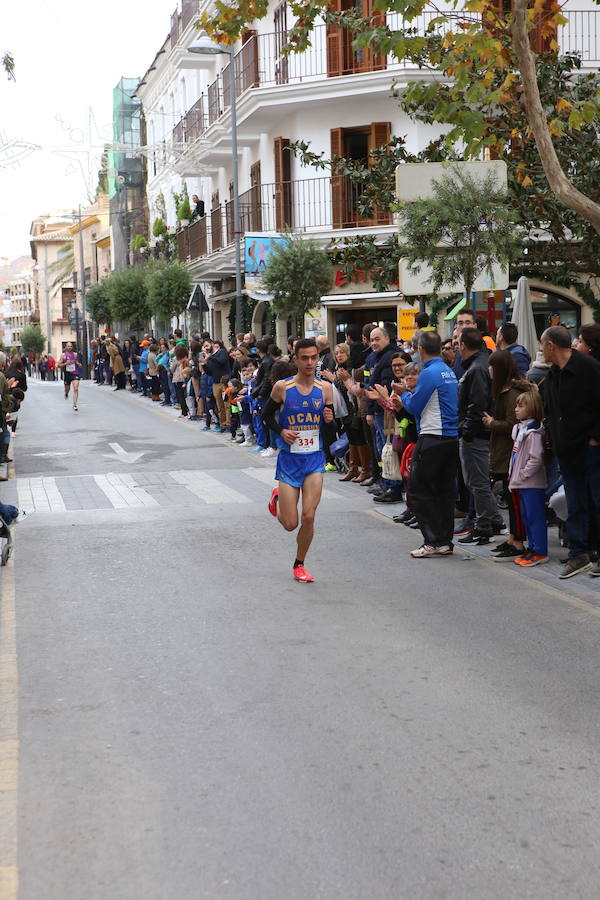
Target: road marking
{"points": [[41, 494], [267, 476], [9, 742], [123, 492], [125, 455], [208, 488]]}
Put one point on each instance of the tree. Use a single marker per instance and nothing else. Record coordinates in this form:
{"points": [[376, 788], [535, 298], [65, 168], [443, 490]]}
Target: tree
{"points": [[297, 274], [126, 290], [484, 53], [8, 64], [462, 231], [168, 286], [98, 304], [63, 268], [33, 339]]}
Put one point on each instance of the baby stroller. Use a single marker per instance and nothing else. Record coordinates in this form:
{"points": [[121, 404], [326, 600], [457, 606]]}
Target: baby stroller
{"points": [[340, 450]]}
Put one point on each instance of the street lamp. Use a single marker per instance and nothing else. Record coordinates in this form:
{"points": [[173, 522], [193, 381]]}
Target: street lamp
{"points": [[205, 47]]}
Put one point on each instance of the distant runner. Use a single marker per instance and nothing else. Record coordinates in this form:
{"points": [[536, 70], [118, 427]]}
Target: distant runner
{"points": [[304, 402], [69, 361]]}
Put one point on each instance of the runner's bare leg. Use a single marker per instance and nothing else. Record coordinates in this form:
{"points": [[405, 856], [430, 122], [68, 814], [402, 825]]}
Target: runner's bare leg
{"points": [[287, 506], [311, 496]]}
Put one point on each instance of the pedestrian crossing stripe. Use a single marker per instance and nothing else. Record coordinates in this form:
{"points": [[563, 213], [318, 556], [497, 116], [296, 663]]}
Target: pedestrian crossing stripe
{"points": [[147, 490]]}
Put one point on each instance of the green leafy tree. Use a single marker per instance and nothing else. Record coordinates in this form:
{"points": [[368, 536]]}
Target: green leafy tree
{"points": [[127, 293], [465, 228], [297, 274], [8, 64], [168, 287], [33, 340], [98, 303]]}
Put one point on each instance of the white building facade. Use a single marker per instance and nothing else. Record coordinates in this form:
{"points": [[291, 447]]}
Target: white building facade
{"points": [[332, 97], [19, 307]]}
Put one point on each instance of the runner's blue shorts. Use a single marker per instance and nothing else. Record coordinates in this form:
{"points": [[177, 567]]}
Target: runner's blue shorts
{"points": [[292, 468]]}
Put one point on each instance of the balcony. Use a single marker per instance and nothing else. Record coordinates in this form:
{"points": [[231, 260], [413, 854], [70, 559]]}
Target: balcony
{"points": [[260, 64], [311, 205]]}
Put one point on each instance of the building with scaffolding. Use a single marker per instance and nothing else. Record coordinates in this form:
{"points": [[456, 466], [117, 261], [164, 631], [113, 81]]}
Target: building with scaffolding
{"points": [[126, 173]]}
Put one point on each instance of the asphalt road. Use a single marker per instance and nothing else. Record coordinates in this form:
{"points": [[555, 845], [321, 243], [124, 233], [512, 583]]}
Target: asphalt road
{"points": [[194, 724]]}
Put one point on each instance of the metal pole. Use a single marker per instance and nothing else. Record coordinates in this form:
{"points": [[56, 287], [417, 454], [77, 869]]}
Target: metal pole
{"points": [[47, 296], [82, 288], [237, 228]]}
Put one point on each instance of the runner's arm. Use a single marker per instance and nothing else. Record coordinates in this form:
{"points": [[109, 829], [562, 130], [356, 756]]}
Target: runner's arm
{"points": [[328, 412], [271, 408]]}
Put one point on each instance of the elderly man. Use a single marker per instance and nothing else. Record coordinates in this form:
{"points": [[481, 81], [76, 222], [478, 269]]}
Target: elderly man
{"points": [[381, 374], [572, 405], [326, 360]]}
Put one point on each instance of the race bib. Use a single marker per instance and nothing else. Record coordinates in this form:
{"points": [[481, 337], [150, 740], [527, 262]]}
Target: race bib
{"points": [[307, 442], [71, 367]]}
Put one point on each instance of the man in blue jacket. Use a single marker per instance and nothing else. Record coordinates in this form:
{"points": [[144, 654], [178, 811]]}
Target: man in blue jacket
{"points": [[434, 405]]}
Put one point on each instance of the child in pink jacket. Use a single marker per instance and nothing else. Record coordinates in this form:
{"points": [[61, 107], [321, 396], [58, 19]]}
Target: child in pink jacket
{"points": [[527, 475]]}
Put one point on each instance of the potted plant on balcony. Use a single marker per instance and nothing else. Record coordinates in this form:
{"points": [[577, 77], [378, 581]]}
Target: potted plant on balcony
{"points": [[140, 243], [159, 228], [184, 212]]}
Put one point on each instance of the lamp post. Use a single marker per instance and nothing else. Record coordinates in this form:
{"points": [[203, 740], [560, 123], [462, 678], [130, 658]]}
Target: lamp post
{"points": [[205, 47]]}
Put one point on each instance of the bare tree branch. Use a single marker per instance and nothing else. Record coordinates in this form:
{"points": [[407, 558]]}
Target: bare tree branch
{"points": [[558, 181]]}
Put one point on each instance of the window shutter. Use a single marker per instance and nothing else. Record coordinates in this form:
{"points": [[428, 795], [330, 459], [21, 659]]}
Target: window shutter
{"points": [[375, 61], [338, 182], [255, 196], [380, 136], [283, 187], [335, 44]]}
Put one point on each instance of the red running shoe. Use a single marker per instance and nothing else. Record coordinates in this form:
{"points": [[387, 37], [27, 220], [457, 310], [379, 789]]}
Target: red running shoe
{"points": [[272, 507], [300, 574]]}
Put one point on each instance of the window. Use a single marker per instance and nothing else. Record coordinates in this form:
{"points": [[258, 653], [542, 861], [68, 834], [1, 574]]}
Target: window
{"points": [[342, 59], [281, 61], [356, 143]]}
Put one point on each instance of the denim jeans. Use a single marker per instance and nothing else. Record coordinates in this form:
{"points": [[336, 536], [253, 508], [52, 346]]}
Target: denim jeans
{"points": [[475, 463], [581, 477], [8, 512]]}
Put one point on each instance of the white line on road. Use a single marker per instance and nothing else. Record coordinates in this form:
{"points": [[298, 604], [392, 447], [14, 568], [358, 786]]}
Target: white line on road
{"points": [[123, 492], [267, 476], [41, 494], [125, 455], [207, 488]]}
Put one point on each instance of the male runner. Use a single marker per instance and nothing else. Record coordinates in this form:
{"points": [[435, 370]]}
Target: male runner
{"points": [[69, 361], [304, 402]]}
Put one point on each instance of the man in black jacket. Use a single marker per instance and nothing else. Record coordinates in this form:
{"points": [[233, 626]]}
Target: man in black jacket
{"points": [[475, 399], [217, 365], [572, 406]]}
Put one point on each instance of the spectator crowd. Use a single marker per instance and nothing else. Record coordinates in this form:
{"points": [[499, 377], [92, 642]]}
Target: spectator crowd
{"points": [[463, 429]]}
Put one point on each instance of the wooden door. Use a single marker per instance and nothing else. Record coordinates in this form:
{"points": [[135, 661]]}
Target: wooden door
{"points": [[283, 186], [338, 182], [380, 136], [255, 211]]}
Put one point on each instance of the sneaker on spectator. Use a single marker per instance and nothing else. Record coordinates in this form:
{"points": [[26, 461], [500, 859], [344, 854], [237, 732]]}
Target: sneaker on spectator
{"points": [[464, 527], [267, 452], [475, 537], [217, 429], [530, 559], [404, 517], [499, 529], [330, 467], [508, 554], [575, 565], [389, 496], [595, 570], [444, 550], [423, 552], [500, 547], [376, 489]]}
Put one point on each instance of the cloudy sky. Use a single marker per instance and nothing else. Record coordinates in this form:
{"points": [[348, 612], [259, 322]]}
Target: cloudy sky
{"points": [[69, 56]]}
